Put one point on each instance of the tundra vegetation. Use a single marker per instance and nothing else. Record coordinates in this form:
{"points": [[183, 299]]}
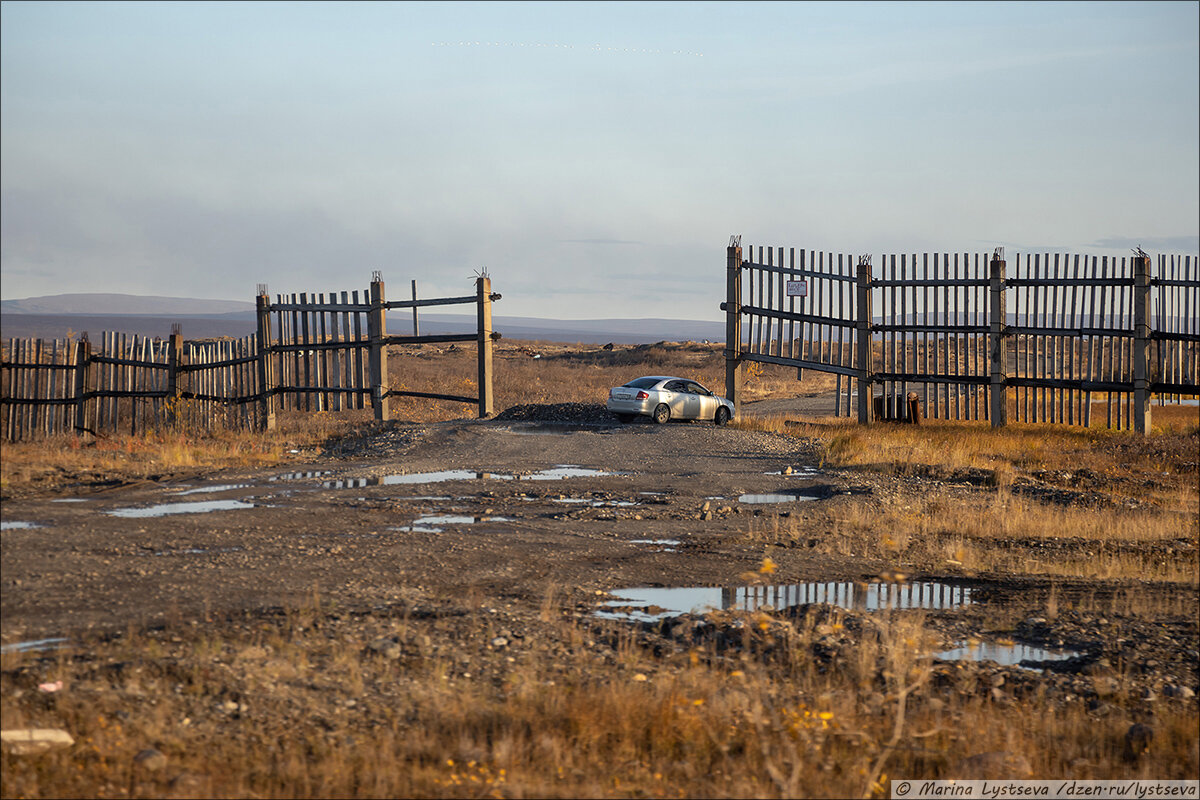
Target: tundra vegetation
{"points": [[427, 698]]}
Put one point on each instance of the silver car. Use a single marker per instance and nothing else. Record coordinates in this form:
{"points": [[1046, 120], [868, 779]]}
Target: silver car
{"points": [[664, 398]]}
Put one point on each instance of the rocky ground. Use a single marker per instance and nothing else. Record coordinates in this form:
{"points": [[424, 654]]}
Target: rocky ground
{"points": [[555, 499]]}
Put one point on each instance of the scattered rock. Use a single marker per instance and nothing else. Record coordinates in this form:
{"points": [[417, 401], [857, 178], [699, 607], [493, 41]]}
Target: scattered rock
{"points": [[30, 741], [1137, 741], [386, 646], [150, 759]]}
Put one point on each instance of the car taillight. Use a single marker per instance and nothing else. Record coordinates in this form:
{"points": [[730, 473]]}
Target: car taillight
{"points": [[642, 395]]}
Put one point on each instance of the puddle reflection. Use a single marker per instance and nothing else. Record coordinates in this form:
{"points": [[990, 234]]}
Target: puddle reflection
{"points": [[202, 507], [299, 476], [225, 487], [781, 497], [662, 545], [196, 551], [34, 646], [1005, 654], [554, 474], [18, 526], [457, 520], [673, 601], [426, 524], [595, 503]]}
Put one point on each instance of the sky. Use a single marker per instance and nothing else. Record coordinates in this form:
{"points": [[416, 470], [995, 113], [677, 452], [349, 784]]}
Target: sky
{"points": [[592, 158]]}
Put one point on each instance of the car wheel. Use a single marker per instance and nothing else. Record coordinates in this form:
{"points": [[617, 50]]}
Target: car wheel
{"points": [[722, 417], [627, 418], [661, 413]]}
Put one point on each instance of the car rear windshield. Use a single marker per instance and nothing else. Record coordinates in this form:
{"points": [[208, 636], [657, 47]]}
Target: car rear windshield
{"points": [[643, 383]]}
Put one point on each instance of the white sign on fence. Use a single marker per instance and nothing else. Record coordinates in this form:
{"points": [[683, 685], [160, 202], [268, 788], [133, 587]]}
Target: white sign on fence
{"points": [[797, 288]]}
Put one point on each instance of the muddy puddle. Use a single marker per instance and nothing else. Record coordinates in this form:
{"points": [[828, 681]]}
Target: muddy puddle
{"points": [[194, 551], [225, 487], [777, 497], [167, 509], [659, 545], [1005, 653], [401, 479], [34, 646], [428, 524], [595, 503], [797, 472], [300, 476], [16, 525], [653, 603], [649, 604]]}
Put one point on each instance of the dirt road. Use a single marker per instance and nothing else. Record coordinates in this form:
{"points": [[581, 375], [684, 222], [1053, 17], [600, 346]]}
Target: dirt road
{"points": [[507, 512], [495, 517]]}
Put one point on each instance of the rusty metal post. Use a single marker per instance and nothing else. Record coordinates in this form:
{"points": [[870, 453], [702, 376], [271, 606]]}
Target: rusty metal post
{"points": [[862, 327], [733, 324], [483, 291], [1141, 343], [377, 342], [998, 353], [266, 375], [914, 415]]}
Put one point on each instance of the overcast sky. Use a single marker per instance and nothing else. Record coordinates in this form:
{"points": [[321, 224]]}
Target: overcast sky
{"points": [[593, 158]]}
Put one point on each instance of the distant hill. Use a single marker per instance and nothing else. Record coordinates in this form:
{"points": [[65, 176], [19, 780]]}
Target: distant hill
{"points": [[55, 316]]}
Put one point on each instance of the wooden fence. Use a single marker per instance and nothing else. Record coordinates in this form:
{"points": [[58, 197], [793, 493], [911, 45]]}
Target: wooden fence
{"points": [[969, 338], [312, 352]]}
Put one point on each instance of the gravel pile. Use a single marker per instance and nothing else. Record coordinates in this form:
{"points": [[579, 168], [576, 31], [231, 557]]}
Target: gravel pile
{"points": [[576, 413], [391, 442]]}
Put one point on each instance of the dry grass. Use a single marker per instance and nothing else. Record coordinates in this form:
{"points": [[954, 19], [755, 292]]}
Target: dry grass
{"points": [[1035, 500], [45, 462], [299, 706]]}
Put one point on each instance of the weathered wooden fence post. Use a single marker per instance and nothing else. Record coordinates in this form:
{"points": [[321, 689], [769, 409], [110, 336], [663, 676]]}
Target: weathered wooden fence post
{"points": [[266, 375], [174, 374], [862, 325], [377, 335], [483, 290], [416, 322], [1141, 343], [733, 324], [997, 319], [83, 376]]}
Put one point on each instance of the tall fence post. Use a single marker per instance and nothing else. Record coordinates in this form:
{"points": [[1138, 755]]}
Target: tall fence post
{"points": [[483, 290], [83, 375], [266, 375], [733, 324], [997, 319], [862, 325], [416, 322], [1141, 343], [377, 334], [174, 373]]}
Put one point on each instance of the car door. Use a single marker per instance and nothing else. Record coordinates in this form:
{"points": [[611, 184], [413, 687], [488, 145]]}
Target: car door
{"points": [[706, 404], [675, 395], [691, 401]]}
